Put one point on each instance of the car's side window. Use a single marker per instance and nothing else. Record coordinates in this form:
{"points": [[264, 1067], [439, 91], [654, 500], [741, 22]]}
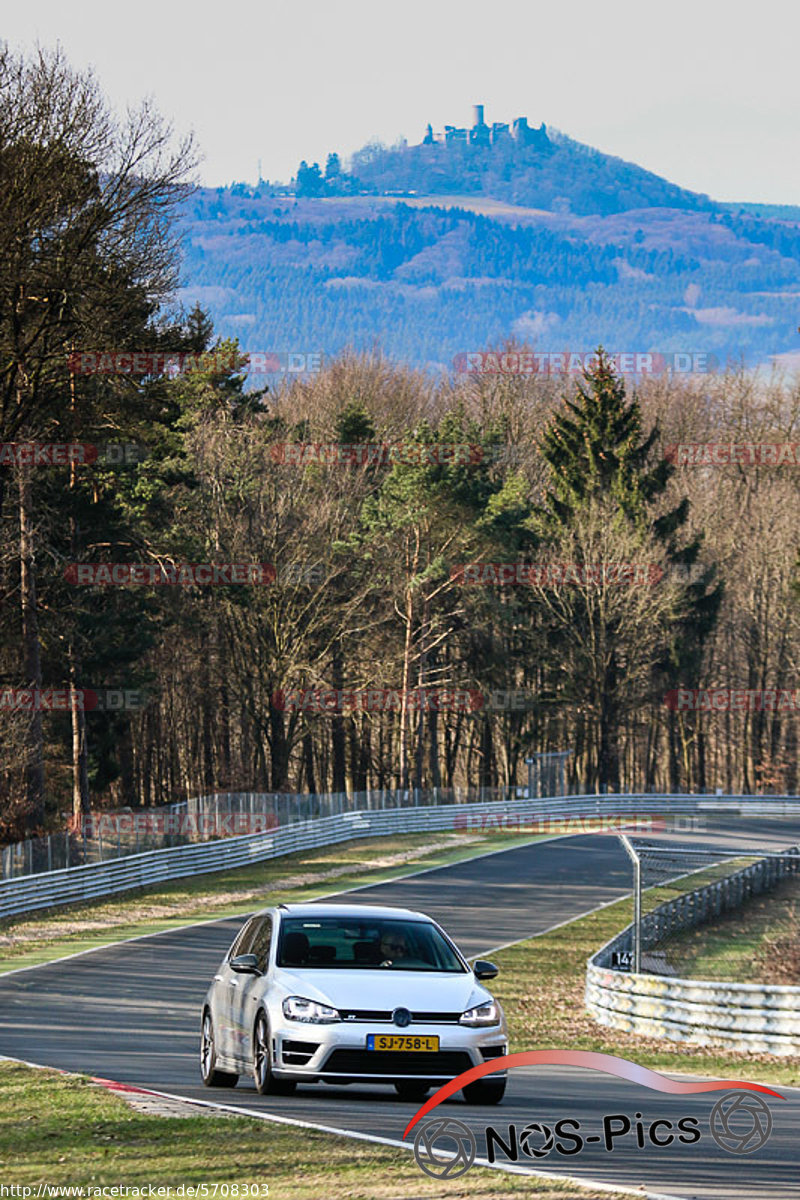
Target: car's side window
{"points": [[245, 939], [261, 943]]}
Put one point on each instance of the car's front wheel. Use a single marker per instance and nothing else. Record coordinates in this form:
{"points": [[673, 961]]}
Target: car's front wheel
{"points": [[411, 1089], [212, 1077], [485, 1091], [265, 1081]]}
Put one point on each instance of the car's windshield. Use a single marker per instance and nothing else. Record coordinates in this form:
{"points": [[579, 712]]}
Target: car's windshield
{"points": [[367, 943]]}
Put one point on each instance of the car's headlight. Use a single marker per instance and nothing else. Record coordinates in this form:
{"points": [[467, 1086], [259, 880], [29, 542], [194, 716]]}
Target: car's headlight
{"points": [[482, 1014], [297, 1008]]}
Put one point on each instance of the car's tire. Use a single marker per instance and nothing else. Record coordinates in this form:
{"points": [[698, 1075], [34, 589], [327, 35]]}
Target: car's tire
{"points": [[411, 1089], [485, 1091], [211, 1075], [265, 1081]]}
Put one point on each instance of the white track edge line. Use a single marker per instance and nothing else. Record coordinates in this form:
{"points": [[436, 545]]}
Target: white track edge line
{"points": [[355, 1135], [423, 871]]}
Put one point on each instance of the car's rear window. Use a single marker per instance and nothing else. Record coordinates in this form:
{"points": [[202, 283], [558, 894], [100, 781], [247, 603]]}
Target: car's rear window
{"points": [[369, 944]]}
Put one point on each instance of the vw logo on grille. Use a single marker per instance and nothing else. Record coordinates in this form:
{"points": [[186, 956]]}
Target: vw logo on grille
{"points": [[401, 1017]]}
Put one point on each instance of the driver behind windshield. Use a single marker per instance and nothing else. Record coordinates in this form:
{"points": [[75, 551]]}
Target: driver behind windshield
{"points": [[394, 947]]}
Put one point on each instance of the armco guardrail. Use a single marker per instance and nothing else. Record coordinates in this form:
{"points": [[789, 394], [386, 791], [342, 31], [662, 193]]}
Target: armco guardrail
{"points": [[568, 814], [104, 835], [743, 1016]]}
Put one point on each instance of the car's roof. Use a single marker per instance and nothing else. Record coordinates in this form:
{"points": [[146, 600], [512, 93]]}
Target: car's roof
{"points": [[364, 911]]}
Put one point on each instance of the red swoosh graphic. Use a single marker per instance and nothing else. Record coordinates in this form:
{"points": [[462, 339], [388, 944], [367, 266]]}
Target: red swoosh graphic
{"points": [[591, 1060]]}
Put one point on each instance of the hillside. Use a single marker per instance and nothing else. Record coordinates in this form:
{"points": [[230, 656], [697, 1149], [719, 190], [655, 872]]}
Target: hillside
{"points": [[557, 174], [552, 244]]}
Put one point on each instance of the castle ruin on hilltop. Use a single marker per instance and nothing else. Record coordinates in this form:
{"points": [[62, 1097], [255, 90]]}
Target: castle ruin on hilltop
{"points": [[481, 134]]}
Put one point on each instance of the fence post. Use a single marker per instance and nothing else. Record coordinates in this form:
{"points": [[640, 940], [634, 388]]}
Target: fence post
{"points": [[637, 902]]}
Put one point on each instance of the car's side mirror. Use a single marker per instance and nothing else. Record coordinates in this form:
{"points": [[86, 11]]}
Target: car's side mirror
{"points": [[483, 969], [245, 964]]}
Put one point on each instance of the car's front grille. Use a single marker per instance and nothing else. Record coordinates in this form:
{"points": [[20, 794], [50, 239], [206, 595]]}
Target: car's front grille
{"points": [[446, 1063], [298, 1053], [377, 1014]]}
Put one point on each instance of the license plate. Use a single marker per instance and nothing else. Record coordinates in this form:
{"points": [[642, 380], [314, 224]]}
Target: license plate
{"points": [[402, 1041]]}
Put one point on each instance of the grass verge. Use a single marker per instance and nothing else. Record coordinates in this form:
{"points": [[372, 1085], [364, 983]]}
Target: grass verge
{"points": [[64, 1131], [755, 944], [35, 938], [541, 987]]}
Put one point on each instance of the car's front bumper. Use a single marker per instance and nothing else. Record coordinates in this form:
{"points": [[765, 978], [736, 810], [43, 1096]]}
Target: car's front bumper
{"points": [[338, 1052]]}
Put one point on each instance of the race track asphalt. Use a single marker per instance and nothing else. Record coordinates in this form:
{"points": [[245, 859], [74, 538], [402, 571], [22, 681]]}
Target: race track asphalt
{"points": [[130, 1013]]}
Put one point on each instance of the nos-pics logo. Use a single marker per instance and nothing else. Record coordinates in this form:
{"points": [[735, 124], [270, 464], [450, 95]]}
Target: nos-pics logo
{"points": [[445, 1148], [740, 1122]]}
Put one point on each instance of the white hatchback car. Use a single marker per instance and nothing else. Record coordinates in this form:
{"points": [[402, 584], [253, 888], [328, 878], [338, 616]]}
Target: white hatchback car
{"points": [[343, 993]]}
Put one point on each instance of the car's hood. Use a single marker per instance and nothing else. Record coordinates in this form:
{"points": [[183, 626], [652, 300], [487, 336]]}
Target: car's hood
{"points": [[387, 989]]}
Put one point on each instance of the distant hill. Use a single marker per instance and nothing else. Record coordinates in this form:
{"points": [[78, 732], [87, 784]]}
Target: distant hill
{"points": [[547, 242], [558, 174]]}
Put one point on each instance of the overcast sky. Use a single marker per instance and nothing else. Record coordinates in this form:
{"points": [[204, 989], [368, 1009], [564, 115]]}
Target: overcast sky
{"points": [[703, 93]]}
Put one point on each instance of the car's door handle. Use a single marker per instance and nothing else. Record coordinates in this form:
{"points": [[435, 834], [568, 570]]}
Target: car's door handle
{"points": [[234, 982]]}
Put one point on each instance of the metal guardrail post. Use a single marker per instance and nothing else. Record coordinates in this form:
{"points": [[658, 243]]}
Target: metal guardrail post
{"points": [[637, 902]]}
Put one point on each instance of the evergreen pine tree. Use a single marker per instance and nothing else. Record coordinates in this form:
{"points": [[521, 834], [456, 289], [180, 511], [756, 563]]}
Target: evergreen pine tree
{"points": [[598, 453]]}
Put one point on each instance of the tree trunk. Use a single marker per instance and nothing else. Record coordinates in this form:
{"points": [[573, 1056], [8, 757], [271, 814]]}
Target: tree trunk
{"points": [[80, 766], [279, 749], [225, 734], [409, 619], [308, 762], [129, 795], [608, 750], [337, 725], [34, 758], [701, 755], [672, 741], [434, 769], [486, 756], [206, 695], [362, 773]]}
